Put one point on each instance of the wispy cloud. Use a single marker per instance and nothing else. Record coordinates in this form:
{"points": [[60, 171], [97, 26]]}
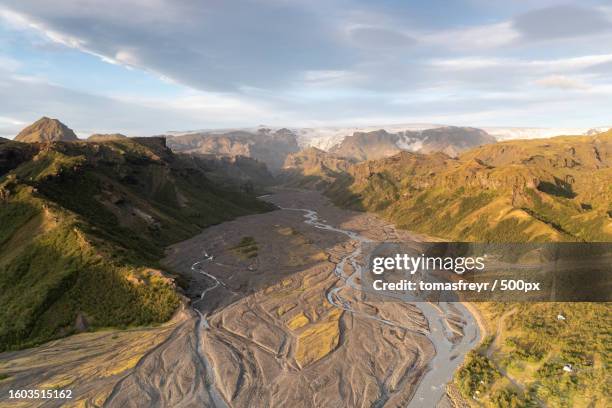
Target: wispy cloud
{"points": [[484, 37], [562, 82], [247, 62], [562, 21]]}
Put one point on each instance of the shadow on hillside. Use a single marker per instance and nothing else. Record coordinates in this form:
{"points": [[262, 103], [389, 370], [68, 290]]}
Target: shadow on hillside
{"points": [[559, 188], [54, 288], [335, 186]]}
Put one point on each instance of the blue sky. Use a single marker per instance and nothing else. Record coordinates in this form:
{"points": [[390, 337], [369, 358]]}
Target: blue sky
{"points": [[149, 66]]}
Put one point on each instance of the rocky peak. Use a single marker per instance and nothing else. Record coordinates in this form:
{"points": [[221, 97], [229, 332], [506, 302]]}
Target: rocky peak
{"points": [[46, 130]]}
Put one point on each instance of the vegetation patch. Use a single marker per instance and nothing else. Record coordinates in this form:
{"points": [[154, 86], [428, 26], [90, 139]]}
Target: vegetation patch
{"points": [[246, 248], [558, 352], [82, 229], [476, 375]]}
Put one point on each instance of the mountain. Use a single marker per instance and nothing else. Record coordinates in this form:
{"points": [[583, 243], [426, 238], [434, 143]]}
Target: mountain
{"points": [[312, 168], [102, 137], [367, 145], [451, 140], [46, 130], [511, 133], [378, 144], [83, 226], [595, 131], [541, 189], [265, 145], [240, 172], [557, 189], [326, 137]]}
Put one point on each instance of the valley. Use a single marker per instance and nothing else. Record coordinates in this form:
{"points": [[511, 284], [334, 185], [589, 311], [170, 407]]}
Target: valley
{"points": [[285, 204], [83, 226], [135, 275], [262, 328]]}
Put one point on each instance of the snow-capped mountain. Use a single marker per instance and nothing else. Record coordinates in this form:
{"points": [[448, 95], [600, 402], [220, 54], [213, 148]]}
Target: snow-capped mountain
{"points": [[406, 136], [325, 138]]}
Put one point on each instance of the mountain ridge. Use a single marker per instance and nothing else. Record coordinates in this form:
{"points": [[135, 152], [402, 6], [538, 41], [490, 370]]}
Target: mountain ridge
{"points": [[541, 189], [378, 144], [270, 147], [312, 168], [325, 137], [83, 226]]}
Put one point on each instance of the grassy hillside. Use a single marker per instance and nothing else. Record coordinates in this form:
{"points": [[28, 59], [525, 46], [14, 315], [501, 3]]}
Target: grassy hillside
{"points": [[537, 190], [557, 189], [521, 362], [312, 168], [82, 226]]}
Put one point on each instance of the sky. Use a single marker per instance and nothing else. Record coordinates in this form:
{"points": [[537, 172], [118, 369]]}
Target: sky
{"points": [[143, 67]]}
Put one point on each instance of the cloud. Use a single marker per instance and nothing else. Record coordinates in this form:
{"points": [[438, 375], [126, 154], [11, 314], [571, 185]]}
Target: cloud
{"points": [[553, 22], [327, 78], [17, 19], [128, 57], [561, 82], [234, 63], [488, 36], [467, 63], [29, 99], [504, 75], [378, 38], [9, 64], [569, 64], [602, 68], [206, 45], [561, 21]]}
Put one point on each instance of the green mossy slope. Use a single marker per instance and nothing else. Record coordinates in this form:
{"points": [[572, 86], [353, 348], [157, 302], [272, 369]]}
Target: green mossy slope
{"points": [[82, 228]]}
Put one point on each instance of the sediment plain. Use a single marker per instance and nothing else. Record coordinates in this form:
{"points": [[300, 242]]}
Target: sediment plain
{"points": [[269, 319]]}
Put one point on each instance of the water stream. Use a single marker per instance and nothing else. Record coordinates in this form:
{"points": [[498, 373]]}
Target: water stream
{"points": [[448, 356], [450, 350], [202, 324]]}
